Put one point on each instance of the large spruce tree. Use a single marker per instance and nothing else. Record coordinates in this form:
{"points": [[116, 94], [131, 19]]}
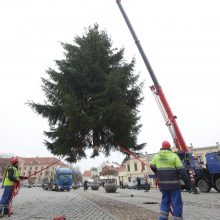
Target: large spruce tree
{"points": [[91, 100]]}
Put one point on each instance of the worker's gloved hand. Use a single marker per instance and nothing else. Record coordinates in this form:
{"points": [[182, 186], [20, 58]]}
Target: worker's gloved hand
{"points": [[23, 177]]}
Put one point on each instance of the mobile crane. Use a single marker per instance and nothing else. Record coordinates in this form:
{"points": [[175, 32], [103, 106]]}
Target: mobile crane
{"points": [[204, 178]]}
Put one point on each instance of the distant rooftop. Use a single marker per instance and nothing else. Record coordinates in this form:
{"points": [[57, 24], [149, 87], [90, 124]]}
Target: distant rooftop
{"points": [[42, 161]]}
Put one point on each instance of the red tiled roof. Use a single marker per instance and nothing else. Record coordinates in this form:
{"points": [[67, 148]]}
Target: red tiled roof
{"points": [[87, 173], [37, 160], [109, 170], [122, 168], [42, 161]]}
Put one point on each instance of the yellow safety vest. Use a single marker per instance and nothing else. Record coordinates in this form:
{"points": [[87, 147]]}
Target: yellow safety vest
{"points": [[7, 181]]}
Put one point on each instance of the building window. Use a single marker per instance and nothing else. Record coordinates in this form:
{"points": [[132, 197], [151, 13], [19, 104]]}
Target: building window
{"points": [[135, 167], [129, 179], [36, 168], [128, 168], [30, 168], [24, 168]]}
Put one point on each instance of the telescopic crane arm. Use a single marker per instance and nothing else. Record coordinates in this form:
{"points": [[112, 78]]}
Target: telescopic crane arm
{"points": [[161, 100]]}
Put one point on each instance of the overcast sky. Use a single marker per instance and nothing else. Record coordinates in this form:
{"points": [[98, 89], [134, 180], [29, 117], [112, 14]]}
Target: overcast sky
{"points": [[180, 38]]}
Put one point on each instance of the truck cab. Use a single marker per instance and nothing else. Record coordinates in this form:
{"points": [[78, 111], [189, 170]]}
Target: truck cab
{"points": [[188, 160], [213, 168], [205, 177], [63, 179], [213, 162]]}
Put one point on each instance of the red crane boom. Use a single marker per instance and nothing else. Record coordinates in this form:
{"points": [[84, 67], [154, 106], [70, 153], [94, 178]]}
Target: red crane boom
{"points": [[169, 117]]}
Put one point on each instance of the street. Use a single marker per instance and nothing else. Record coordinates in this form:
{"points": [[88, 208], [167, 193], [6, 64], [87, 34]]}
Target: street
{"points": [[125, 204]]}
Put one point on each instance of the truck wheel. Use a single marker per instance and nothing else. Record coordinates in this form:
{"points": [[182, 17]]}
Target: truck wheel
{"points": [[203, 186], [217, 184]]}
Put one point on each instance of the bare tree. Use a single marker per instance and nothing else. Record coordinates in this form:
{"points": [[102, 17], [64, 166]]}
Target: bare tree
{"points": [[77, 175], [4, 162]]}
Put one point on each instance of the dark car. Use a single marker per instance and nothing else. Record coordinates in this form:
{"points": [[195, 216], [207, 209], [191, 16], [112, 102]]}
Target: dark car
{"points": [[45, 186], [128, 185], [143, 184]]}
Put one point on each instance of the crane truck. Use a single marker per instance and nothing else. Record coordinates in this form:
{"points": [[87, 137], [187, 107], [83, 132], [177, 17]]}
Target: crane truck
{"points": [[204, 178]]}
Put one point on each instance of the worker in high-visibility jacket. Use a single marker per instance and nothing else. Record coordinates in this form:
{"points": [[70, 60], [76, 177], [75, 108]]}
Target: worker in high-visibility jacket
{"points": [[12, 177], [170, 170]]}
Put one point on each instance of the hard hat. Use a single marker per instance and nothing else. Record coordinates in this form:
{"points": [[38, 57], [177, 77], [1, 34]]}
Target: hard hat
{"points": [[14, 160], [166, 144]]}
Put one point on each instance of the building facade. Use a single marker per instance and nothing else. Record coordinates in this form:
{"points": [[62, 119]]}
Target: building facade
{"points": [[134, 168], [40, 169], [200, 153], [86, 175]]}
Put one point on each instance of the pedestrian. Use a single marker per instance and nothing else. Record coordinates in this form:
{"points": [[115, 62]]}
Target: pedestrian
{"points": [[146, 183], [11, 180], [169, 170], [138, 183], [120, 184], [85, 184]]}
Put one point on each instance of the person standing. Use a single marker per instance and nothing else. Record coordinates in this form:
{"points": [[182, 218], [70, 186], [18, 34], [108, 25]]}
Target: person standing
{"points": [[120, 184], [138, 183], [169, 170], [103, 184], [85, 184], [146, 183], [11, 180]]}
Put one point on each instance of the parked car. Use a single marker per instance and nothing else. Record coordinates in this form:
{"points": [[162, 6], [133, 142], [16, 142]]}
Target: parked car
{"points": [[45, 186], [27, 185], [142, 184], [129, 185], [75, 186]]}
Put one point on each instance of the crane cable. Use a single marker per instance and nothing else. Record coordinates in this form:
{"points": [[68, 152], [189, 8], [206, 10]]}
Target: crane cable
{"points": [[164, 115], [126, 150], [34, 174]]}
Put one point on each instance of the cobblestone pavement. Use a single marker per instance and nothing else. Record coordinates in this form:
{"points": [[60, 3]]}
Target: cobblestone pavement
{"points": [[125, 204], [36, 203], [120, 208], [204, 206]]}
